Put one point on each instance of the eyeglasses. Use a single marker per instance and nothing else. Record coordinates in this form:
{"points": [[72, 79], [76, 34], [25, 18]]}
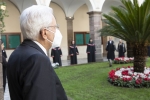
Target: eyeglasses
{"points": [[57, 26]]}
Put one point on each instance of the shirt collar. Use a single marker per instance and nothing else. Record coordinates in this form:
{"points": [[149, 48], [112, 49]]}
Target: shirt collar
{"points": [[41, 47]]}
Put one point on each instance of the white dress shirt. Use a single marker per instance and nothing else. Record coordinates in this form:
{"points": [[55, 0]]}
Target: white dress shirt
{"points": [[41, 47]]}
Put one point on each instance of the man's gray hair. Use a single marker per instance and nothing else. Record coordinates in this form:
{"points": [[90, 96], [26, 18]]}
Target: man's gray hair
{"points": [[33, 19]]}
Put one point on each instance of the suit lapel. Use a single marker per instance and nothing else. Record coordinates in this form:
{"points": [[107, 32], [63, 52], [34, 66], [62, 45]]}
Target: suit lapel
{"points": [[32, 44]]}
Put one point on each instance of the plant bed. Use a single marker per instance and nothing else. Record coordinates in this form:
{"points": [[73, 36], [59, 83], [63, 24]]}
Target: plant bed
{"points": [[123, 60], [125, 77]]}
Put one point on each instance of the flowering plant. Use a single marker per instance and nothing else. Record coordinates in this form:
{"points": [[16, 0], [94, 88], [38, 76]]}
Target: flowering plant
{"points": [[120, 60], [126, 77]]}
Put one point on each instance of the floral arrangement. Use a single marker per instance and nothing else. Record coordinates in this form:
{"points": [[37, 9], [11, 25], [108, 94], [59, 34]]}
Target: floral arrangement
{"points": [[122, 60], [126, 77]]}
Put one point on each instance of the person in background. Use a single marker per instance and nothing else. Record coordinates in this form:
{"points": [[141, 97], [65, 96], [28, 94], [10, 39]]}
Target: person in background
{"points": [[91, 51], [56, 54], [110, 48], [121, 48], [30, 73], [4, 52], [4, 65], [73, 51]]}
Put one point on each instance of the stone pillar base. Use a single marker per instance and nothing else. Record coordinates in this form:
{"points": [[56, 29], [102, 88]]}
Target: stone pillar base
{"points": [[99, 58]]}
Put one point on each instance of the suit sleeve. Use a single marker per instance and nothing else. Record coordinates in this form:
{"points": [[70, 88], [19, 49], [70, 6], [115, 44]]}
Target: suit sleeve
{"points": [[77, 50], [114, 47], [39, 81], [70, 51], [125, 48], [87, 50], [60, 52], [118, 48], [4, 62], [52, 52]]}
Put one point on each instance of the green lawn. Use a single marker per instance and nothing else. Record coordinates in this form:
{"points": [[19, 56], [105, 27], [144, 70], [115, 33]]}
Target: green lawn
{"points": [[89, 82]]}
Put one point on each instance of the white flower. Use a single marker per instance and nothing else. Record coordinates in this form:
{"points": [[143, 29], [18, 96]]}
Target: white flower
{"points": [[135, 73]]}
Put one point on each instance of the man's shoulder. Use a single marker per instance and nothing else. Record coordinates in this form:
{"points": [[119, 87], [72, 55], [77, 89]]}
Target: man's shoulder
{"points": [[25, 52]]}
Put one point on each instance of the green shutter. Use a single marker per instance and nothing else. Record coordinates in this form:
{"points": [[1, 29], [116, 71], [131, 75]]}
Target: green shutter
{"points": [[14, 41], [4, 40], [79, 39]]}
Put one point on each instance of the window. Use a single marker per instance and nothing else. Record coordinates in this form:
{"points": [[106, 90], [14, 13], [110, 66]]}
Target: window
{"points": [[11, 40], [81, 38]]}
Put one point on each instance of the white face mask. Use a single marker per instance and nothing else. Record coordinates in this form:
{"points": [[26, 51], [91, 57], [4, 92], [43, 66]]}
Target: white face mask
{"points": [[57, 38]]}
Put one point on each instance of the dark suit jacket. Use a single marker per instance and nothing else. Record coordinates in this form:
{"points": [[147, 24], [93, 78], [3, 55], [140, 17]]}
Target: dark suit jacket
{"points": [[31, 76], [110, 48], [4, 63]]}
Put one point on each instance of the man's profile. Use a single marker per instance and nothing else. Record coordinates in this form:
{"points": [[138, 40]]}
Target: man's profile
{"points": [[30, 74]]}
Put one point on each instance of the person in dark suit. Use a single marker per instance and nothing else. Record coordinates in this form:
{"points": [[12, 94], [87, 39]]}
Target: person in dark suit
{"points": [[4, 53], [4, 65], [73, 51], [30, 74], [56, 54], [91, 51], [110, 48], [121, 48]]}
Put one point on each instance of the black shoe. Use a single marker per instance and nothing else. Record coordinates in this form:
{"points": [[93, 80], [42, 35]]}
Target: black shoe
{"points": [[110, 65]]}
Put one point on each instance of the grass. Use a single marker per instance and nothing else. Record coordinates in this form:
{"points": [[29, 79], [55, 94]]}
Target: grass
{"points": [[89, 82]]}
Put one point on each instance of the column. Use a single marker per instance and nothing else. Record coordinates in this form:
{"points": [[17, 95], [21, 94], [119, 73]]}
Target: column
{"points": [[104, 38], [69, 32], [95, 25]]}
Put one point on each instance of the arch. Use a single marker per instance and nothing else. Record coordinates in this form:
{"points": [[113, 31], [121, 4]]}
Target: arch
{"points": [[59, 6], [59, 3], [12, 21], [90, 4], [108, 3], [70, 7], [14, 5], [95, 5]]}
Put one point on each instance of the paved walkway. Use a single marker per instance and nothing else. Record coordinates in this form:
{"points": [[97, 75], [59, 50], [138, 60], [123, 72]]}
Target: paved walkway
{"points": [[64, 63]]}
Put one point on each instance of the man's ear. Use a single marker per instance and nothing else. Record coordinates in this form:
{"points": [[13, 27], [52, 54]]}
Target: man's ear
{"points": [[43, 33]]}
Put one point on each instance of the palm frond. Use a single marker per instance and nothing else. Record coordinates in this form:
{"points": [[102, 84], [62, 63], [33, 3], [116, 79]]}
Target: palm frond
{"points": [[131, 23]]}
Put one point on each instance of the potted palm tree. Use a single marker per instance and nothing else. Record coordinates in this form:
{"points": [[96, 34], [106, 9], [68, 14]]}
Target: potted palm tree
{"points": [[131, 22]]}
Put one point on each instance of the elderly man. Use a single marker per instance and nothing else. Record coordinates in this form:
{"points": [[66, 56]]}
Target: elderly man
{"points": [[30, 74], [121, 48], [110, 48]]}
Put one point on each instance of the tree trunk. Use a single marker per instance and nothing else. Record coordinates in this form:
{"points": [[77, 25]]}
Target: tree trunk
{"points": [[129, 49], [140, 53]]}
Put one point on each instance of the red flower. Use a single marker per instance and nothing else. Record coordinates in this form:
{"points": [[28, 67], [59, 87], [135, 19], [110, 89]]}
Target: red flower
{"points": [[138, 81], [112, 74], [125, 72], [146, 79]]}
